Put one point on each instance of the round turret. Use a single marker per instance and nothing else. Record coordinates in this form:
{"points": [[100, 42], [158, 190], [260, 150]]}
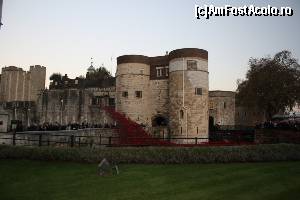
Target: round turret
{"points": [[132, 87], [188, 93]]}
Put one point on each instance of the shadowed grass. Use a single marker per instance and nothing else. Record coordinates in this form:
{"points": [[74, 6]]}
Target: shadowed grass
{"points": [[22, 179]]}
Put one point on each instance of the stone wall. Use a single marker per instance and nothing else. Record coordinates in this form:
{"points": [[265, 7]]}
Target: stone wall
{"points": [[276, 136], [159, 96], [224, 111], [66, 106], [24, 112], [222, 107]]}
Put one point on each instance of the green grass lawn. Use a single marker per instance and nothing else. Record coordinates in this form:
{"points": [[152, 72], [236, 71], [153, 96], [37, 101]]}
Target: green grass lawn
{"points": [[22, 179]]}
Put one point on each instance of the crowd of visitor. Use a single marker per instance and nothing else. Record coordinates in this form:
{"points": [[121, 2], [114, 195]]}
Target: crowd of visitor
{"points": [[71, 126], [281, 124]]}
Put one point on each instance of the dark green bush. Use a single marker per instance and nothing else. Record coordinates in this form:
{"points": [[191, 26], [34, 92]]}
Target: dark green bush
{"points": [[158, 155]]}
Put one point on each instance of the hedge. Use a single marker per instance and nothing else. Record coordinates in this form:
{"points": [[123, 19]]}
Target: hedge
{"points": [[157, 155]]}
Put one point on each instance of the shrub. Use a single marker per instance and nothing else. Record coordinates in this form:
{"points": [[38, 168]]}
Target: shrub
{"points": [[158, 155]]}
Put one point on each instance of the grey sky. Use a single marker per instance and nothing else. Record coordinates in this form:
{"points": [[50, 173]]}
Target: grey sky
{"points": [[64, 34]]}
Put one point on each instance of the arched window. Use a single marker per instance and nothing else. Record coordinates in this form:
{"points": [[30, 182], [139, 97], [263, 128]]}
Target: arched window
{"points": [[181, 114]]}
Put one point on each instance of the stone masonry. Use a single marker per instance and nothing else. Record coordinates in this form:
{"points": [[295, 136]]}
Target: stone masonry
{"points": [[173, 88], [168, 95], [222, 107], [19, 85]]}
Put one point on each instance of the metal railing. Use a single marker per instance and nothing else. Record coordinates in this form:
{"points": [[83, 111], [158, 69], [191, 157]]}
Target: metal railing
{"points": [[44, 139], [101, 140]]}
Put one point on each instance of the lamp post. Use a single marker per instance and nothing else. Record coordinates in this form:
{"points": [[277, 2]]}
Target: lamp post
{"points": [[15, 112], [28, 117], [1, 3], [61, 111]]}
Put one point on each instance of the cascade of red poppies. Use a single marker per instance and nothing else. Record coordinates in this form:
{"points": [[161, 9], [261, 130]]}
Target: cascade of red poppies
{"points": [[132, 134]]}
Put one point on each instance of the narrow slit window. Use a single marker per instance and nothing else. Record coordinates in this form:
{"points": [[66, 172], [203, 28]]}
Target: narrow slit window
{"points": [[167, 71], [181, 114]]}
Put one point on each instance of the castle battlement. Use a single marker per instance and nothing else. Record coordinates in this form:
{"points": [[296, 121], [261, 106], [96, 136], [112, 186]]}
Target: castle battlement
{"points": [[37, 67], [11, 68]]}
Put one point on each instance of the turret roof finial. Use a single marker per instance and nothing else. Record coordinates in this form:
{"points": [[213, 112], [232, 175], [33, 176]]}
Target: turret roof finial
{"points": [[91, 68], [92, 62]]}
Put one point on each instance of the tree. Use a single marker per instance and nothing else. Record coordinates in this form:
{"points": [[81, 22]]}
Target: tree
{"points": [[56, 77], [271, 84], [99, 74]]}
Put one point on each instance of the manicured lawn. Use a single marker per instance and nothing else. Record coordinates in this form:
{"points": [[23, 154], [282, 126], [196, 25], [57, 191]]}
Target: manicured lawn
{"points": [[22, 179]]}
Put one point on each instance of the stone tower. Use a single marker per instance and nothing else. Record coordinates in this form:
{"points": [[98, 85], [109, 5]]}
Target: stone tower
{"points": [[37, 75], [132, 87], [172, 89], [19, 85], [188, 93]]}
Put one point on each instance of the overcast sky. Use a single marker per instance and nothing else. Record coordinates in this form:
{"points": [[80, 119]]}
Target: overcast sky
{"points": [[63, 35]]}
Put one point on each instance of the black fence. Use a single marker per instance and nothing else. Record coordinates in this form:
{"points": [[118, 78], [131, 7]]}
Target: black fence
{"points": [[44, 139], [72, 140], [88, 138], [232, 135]]}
